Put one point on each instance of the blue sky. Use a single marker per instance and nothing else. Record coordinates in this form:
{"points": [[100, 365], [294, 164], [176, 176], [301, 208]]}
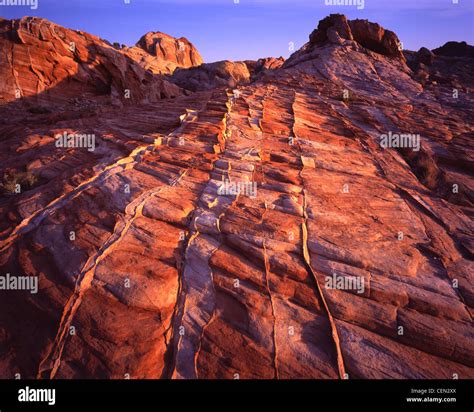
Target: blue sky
{"points": [[251, 29]]}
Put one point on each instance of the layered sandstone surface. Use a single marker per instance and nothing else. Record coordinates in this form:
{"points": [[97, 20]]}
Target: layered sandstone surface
{"points": [[201, 236]]}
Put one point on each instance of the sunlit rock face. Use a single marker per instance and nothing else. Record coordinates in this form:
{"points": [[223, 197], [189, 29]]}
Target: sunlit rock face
{"points": [[162, 54], [300, 219], [163, 46], [51, 64], [226, 73], [336, 29]]}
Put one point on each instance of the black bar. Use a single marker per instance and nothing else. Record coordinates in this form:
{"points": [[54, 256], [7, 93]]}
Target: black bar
{"points": [[242, 394]]}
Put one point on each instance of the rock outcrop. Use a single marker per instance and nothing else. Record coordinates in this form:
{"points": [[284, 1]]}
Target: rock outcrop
{"points": [[211, 75], [162, 54], [448, 67], [165, 47], [336, 29], [50, 64], [257, 67], [269, 230], [425, 56], [224, 73], [455, 49]]}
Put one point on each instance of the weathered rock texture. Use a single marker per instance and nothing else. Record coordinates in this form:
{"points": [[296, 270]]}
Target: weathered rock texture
{"points": [[223, 74], [162, 54], [336, 29], [200, 238], [45, 62]]}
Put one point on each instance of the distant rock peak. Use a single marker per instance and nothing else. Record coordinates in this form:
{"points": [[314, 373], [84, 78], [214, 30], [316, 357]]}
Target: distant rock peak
{"points": [[336, 29], [455, 49], [163, 46]]}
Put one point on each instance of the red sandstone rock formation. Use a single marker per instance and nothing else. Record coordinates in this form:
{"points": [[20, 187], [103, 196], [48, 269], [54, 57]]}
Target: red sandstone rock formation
{"points": [[336, 29], [47, 63], [211, 75], [224, 73], [180, 51], [162, 53], [261, 231]]}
